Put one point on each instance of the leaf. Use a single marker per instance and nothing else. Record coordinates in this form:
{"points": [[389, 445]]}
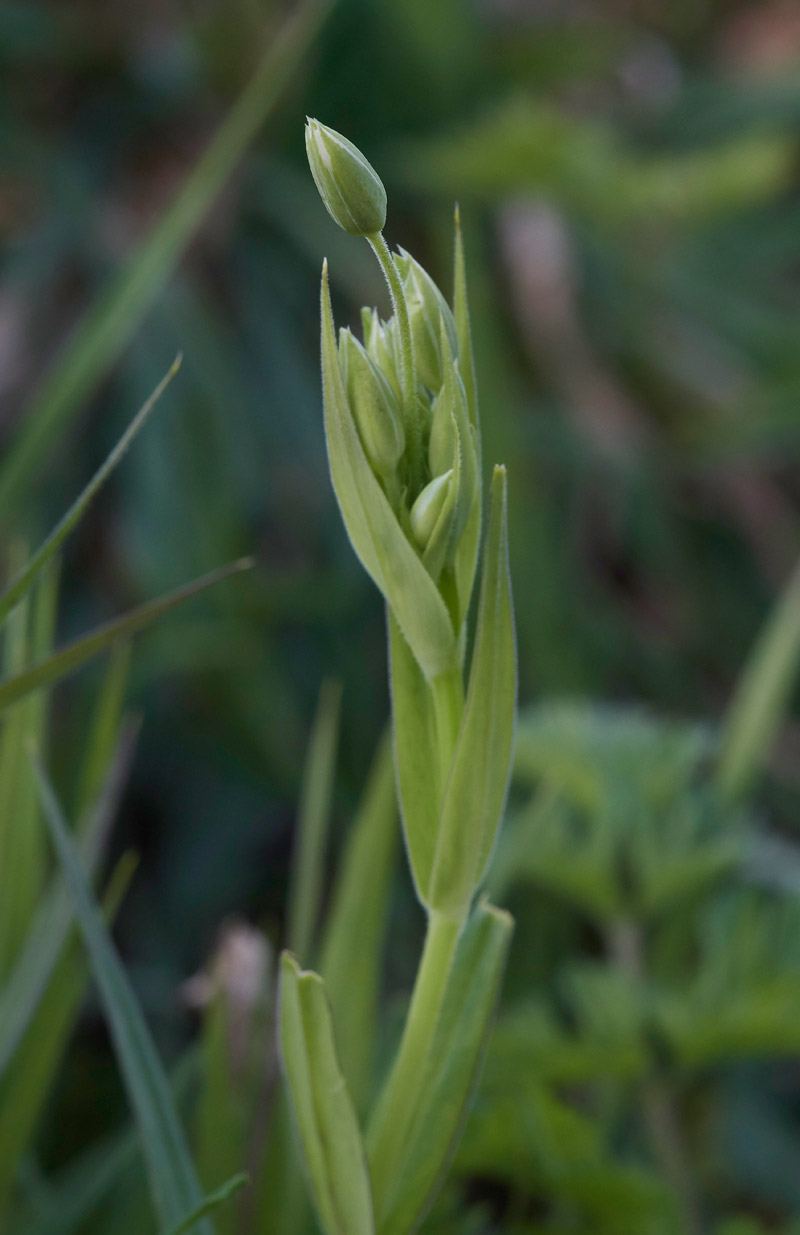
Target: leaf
{"points": [[762, 695], [355, 927], [36, 1061], [334, 1151], [453, 1061], [47, 551], [211, 1202], [22, 993], [377, 538], [173, 1180], [413, 726], [476, 791], [111, 321], [313, 822], [75, 654]]}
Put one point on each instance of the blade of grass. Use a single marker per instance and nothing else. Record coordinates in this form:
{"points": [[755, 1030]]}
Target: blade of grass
{"points": [[75, 654], [104, 728], [48, 549], [112, 319], [36, 1062], [212, 1202], [313, 820], [22, 994], [762, 695], [173, 1180]]}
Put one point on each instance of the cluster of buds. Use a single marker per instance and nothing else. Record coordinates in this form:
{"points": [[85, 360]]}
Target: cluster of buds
{"points": [[403, 438]]}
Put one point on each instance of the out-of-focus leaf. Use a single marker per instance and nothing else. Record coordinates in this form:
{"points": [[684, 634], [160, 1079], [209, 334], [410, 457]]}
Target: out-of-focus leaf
{"points": [[173, 1180], [212, 1202], [762, 695], [355, 928], [47, 551], [71, 657], [111, 321], [332, 1144], [313, 822]]}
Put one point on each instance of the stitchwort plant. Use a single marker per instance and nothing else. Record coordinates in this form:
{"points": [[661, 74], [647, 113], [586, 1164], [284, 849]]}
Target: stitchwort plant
{"points": [[403, 438]]}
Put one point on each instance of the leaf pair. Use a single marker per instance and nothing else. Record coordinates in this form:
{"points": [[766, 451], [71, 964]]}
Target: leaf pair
{"points": [[334, 1151], [451, 829]]}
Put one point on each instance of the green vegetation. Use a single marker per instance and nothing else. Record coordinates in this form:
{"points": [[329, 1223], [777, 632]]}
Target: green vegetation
{"points": [[195, 776]]}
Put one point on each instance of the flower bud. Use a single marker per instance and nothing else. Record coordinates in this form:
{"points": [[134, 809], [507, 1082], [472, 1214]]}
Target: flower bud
{"points": [[429, 505], [426, 309], [374, 406], [349, 186], [380, 341]]}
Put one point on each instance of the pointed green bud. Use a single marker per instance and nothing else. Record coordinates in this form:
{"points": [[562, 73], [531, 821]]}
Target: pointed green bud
{"points": [[428, 506], [426, 308], [349, 186], [380, 341], [374, 406]]}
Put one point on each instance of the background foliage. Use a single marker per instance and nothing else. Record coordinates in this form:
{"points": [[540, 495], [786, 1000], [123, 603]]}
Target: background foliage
{"points": [[627, 175]]}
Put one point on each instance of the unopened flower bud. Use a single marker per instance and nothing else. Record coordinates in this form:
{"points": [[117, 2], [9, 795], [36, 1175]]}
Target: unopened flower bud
{"points": [[428, 506], [374, 406], [426, 309], [380, 341], [349, 186]]}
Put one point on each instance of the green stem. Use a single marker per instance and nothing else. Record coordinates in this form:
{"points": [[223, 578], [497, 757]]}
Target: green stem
{"points": [[408, 377], [394, 1113], [448, 707]]}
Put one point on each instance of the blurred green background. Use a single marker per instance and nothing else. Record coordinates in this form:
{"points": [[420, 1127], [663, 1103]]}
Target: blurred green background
{"points": [[629, 183]]}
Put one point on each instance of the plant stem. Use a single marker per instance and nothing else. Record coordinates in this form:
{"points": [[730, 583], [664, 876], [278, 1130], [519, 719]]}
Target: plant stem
{"points": [[659, 1109], [408, 377], [448, 706], [395, 1110]]}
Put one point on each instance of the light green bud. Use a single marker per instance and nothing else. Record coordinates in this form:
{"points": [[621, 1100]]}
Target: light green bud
{"points": [[427, 308], [349, 186], [380, 341], [374, 406], [427, 508]]}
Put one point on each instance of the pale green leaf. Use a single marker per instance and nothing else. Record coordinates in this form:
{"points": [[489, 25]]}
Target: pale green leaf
{"points": [[332, 1144], [173, 1180], [415, 747], [476, 790]]}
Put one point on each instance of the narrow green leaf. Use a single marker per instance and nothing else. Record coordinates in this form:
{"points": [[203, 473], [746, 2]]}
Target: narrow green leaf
{"points": [[332, 1144], [211, 1202], [48, 549], [27, 1085], [414, 730], [762, 695], [111, 321], [378, 540], [75, 654], [173, 1179], [453, 1061], [355, 927], [22, 994], [476, 791], [313, 821]]}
